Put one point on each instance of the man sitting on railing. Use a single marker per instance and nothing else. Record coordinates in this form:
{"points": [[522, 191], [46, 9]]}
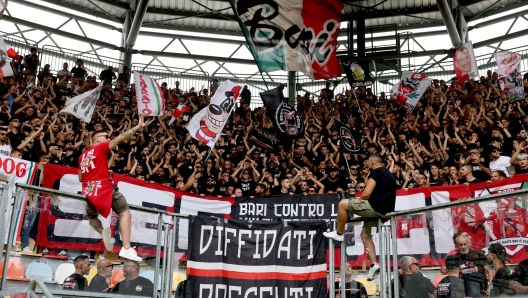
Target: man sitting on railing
{"points": [[378, 199]]}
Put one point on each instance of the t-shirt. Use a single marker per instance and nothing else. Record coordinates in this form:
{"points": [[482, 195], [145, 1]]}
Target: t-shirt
{"points": [[93, 163], [415, 286], [383, 197], [501, 164], [5, 150], [98, 284], [472, 262], [75, 282], [451, 287], [500, 282], [248, 188], [354, 289], [139, 286]]}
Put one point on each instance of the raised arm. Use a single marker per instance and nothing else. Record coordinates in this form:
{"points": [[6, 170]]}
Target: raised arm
{"points": [[129, 133]]}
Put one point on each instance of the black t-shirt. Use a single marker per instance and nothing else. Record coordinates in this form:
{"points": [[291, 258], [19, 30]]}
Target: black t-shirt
{"points": [[472, 262], [415, 286], [75, 282], [500, 282], [139, 286], [451, 287], [479, 173], [98, 284], [383, 197], [354, 289], [333, 185], [78, 72], [248, 188]]}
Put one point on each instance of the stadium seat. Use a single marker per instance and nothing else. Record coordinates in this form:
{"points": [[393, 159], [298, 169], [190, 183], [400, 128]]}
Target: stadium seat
{"points": [[64, 270], [178, 277], [150, 276], [41, 271], [117, 276], [370, 286], [15, 270]]}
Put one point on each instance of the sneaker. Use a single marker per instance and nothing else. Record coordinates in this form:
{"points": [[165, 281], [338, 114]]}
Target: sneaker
{"points": [[373, 272], [130, 254], [45, 251], [107, 239], [334, 235], [26, 249], [63, 253]]}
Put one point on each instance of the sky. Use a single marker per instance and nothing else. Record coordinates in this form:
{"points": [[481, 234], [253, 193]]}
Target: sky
{"points": [[205, 48]]}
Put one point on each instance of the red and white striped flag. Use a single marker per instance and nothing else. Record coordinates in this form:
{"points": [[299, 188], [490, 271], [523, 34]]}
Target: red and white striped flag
{"points": [[149, 96]]}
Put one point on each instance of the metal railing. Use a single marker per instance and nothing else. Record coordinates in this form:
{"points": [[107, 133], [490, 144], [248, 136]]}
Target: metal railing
{"points": [[387, 237], [169, 239]]}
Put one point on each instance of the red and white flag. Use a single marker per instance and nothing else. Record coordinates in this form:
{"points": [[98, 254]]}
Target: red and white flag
{"points": [[178, 111], [510, 77], [207, 124], [411, 87], [149, 96], [465, 63], [5, 65]]}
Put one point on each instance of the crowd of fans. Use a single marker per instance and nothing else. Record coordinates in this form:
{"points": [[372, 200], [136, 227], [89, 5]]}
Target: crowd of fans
{"points": [[458, 133]]}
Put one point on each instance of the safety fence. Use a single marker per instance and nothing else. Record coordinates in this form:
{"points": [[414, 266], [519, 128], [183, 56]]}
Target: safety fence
{"points": [[165, 263], [384, 80], [487, 219]]}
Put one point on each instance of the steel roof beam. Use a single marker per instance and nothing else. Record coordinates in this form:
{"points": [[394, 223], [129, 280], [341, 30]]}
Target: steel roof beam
{"points": [[206, 15], [136, 24], [60, 32], [82, 9], [195, 57]]}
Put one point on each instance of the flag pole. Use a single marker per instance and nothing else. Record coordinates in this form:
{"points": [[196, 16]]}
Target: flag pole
{"points": [[357, 101], [348, 167], [208, 155], [264, 80]]}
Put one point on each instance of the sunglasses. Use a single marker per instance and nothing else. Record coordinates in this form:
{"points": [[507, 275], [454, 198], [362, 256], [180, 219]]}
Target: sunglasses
{"points": [[360, 187], [311, 190], [353, 169]]}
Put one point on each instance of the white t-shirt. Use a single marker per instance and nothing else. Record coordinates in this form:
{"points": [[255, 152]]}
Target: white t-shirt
{"points": [[500, 164], [5, 150]]}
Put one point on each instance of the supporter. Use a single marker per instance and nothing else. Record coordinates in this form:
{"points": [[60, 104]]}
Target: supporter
{"points": [[77, 281], [500, 283], [99, 282], [412, 284], [451, 286], [497, 175], [498, 161], [133, 284], [353, 288], [466, 171]]}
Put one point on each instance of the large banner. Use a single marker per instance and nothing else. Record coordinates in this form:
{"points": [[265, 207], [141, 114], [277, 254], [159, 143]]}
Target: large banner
{"points": [[509, 71], [411, 87], [239, 259], [465, 63], [285, 118], [207, 124], [428, 237], [297, 35], [150, 98], [82, 106], [23, 172], [64, 224]]}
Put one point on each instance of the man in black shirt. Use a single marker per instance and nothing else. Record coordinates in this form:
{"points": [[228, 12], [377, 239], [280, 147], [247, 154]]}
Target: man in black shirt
{"points": [[412, 283], [77, 281], [210, 188], [333, 181], [451, 286], [378, 199], [353, 288], [99, 282], [133, 283], [500, 283], [467, 173]]}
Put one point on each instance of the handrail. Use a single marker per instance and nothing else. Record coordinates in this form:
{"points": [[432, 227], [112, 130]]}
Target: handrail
{"points": [[37, 282], [79, 294], [83, 198], [456, 203]]}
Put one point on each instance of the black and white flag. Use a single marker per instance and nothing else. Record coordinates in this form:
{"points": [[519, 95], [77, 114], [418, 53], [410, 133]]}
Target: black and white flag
{"points": [[357, 75], [284, 117], [82, 106], [350, 142]]}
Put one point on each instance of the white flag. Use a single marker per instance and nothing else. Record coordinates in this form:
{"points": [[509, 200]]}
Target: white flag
{"points": [[410, 88], [82, 106], [510, 77], [150, 98], [5, 65], [207, 124]]}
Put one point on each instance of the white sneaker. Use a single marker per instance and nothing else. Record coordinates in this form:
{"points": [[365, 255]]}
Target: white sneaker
{"points": [[334, 235], [130, 254], [107, 239], [373, 272], [26, 249]]}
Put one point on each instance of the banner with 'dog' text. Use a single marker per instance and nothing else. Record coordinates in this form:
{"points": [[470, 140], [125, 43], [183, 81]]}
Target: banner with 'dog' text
{"points": [[238, 258]]}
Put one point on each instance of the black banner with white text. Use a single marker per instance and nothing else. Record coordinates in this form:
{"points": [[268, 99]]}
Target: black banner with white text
{"points": [[239, 258]]}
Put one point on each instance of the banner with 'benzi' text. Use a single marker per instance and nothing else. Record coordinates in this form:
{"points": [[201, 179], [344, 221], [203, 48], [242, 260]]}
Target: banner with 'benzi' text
{"points": [[239, 258]]}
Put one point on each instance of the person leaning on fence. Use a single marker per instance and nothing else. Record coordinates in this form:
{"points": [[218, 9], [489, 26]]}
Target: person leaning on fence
{"points": [[451, 286], [378, 199]]}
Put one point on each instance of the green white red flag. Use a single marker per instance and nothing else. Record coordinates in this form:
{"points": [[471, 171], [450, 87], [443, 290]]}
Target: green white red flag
{"points": [[293, 35], [5, 65], [149, 96]]}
